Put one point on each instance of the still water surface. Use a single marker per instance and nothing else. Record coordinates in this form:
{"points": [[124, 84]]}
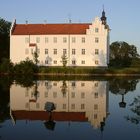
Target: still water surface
{"points": [[97, 109]]}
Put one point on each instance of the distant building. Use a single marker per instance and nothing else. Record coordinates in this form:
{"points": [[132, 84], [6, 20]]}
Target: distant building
{"points": [[83, 44]]}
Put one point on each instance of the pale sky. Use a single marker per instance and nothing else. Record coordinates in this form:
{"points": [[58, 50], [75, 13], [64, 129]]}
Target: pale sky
{"points": [[123, 16]]}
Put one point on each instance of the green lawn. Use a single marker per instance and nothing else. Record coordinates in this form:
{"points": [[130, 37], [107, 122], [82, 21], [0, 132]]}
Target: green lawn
{"points": [[87, 70]]}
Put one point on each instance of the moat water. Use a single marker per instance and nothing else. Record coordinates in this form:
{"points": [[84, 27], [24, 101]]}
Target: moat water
{"points": [[84, 108]]}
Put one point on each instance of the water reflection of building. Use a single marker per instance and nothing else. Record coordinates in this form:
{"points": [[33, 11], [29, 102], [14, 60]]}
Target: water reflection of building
{"points": [[74, 101]]}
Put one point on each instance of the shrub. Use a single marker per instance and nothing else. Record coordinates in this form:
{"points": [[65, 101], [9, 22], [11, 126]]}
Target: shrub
{"points": [[6, 66], [26, 67]]}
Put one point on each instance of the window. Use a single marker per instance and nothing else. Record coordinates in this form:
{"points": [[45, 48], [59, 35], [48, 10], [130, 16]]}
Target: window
{"points": [[82, 84], [96, 62], [46, 94], [83, 39], [54, 51], [27, 105], [37, 40], [55, 62], [73, 40], [54, 94], [64, 51], [64, 106], [96, 95], [72, 106], [73, 62], [64, 39], [46, 51], [83, 95], [82, 106], [73, 84], [55, 84], [96, 39], [95, 107], [37, 105], [46, 61], [73, 95], [83, 51], [96, 51], [96, 84], [26, 39], [95, 116], [46, 40], [26, 51], [46, 84], [55, 40], [96, 30], [83, 62], [73, 51], [64, 95]]}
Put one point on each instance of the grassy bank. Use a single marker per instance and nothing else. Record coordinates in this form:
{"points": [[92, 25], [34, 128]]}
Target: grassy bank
{"points": [[88, 71], [27, 69]]}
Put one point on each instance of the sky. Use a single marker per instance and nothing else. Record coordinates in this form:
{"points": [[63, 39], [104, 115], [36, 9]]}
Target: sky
{"points": [[123, 16]]}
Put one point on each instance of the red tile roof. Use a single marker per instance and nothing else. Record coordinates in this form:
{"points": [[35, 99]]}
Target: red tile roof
{"points": [[43, 115], [41, 29]]}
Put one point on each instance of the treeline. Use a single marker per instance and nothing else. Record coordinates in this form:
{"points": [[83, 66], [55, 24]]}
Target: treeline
{"points": [[4, 38], [26, 67], [123, 55]]}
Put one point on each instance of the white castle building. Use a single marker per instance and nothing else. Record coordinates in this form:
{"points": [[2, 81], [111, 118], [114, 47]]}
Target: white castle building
{"points": [[83, 44]]}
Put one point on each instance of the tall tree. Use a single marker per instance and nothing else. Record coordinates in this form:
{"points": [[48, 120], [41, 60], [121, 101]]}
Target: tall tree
{"points": [[64, 60], [4, 38], [122, 54], [35, 57]]}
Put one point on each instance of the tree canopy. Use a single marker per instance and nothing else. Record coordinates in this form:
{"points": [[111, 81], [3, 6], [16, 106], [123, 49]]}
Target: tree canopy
{"points": [[4, 38], [122, 54]]}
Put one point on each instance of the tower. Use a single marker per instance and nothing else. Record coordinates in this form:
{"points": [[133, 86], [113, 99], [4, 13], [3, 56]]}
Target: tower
{"points": [[103, 18]]}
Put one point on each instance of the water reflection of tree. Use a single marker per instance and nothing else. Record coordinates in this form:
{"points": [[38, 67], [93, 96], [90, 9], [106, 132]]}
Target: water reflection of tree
{"points": [[64, 88], [5, 83], [35, 91], [116, 85], [135, 108], [25, 81], [122, 87]]}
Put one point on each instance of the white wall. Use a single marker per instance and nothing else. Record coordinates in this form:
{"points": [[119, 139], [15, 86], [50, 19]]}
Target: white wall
{"points": [[18, 47]]}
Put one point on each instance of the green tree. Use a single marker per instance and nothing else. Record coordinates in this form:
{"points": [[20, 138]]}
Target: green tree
{"points": [[64, 60], [135, 62], [35, 56], [122, 54], [26, 67], [6, 66], [4, 38]]}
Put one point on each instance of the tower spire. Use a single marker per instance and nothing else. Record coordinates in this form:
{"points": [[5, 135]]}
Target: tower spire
{"points": [[103, 7], [103, 18]]}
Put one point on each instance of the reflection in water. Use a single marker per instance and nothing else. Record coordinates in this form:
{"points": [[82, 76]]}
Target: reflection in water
{"points": [[4, 99], [122, 87], [78, 101], [135, 108]]}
